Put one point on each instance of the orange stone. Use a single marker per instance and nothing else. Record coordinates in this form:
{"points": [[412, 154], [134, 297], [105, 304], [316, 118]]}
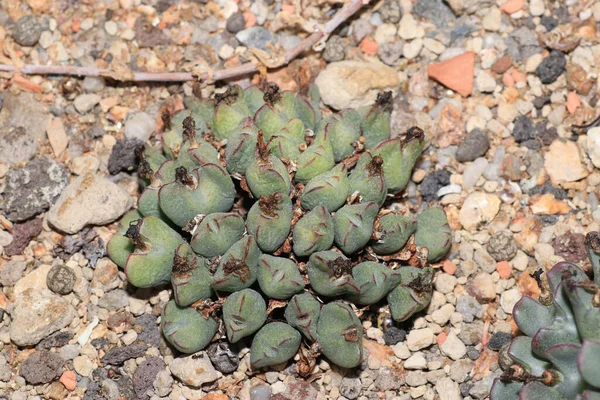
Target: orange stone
{"points": [[250, 19], [368, 46], [449, 267], [288, 8], [548, 204], [504, 269], [216, 396], [69, 380], [25, 84], [441, 338], [508, 80], [573, 102], [455, 73], [519, 76], [512, 6]]}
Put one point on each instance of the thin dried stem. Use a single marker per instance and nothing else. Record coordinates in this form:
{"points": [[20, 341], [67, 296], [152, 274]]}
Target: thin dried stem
{"points": [[352, 8]]}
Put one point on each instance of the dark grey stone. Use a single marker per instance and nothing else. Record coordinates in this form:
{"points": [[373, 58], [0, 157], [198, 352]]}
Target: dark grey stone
{"points": [[255, 36], [222, 357], [433, 182], [61, 279], [235, 22], [335, 49], [475, 145], [32, 189], [27, 31], [552, 67], [118, 355], [145, 374], [41, 367]]}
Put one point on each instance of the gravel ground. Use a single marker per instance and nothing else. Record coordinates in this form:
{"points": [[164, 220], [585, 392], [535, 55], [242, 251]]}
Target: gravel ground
{"points": [[498, 87]]}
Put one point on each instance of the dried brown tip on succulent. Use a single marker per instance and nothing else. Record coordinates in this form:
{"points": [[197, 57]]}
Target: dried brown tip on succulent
{"points": [[228, 97], [384, 100], [145, 171], [197, 90], [340, 267], [181, 266], [238, 268], [133, 234], [375, 166], [272, 94], [419, 286], [207, 307], [350, 334], [182, 176], [262, 150], [414, 133], [165, 116], [189, 129], [268, 204]]}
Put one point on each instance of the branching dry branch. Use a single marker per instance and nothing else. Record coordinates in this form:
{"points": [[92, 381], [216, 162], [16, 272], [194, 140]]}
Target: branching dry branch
{"points": [[244, 69]]}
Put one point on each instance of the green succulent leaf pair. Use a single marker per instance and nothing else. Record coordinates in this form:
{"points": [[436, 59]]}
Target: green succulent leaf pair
{"points": [[559, 356]]}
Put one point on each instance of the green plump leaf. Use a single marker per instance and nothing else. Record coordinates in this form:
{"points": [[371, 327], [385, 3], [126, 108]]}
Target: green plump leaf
{"points": [[244, 312], [190, 277], [186, 329], [587, 315], [270, 120], [531, 316], [313, 232], [375, 125], [238, 268], [329, 189], [353, 226], [564, 359], [216, 233], [329, 273], [279, 278], [120, 247], [520, 351], [266, 174], [274, 344], [153, 157], [316, 159], [505, 390], [269, 221], [302, 312], [200, 109], [241, 146], [340, 335], [254, 98], [367, 179], [393, 231], [434, 233], [589, 362], [284, 147], [374, 281], [230, 110], [399, 158], [151, 262], [413, 293], [204, 190], [344, 130], [538, 391]]}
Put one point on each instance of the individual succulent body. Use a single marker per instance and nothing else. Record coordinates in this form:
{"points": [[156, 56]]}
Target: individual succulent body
{"points": [[558, 357], [258, 210]]}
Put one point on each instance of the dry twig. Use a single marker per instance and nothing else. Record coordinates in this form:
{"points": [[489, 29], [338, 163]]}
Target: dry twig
{"points": [[244, 69]]}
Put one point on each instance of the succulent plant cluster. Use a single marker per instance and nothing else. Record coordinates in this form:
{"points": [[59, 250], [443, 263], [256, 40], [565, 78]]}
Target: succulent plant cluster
{"points": [[558, 357], [254, 201]]}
